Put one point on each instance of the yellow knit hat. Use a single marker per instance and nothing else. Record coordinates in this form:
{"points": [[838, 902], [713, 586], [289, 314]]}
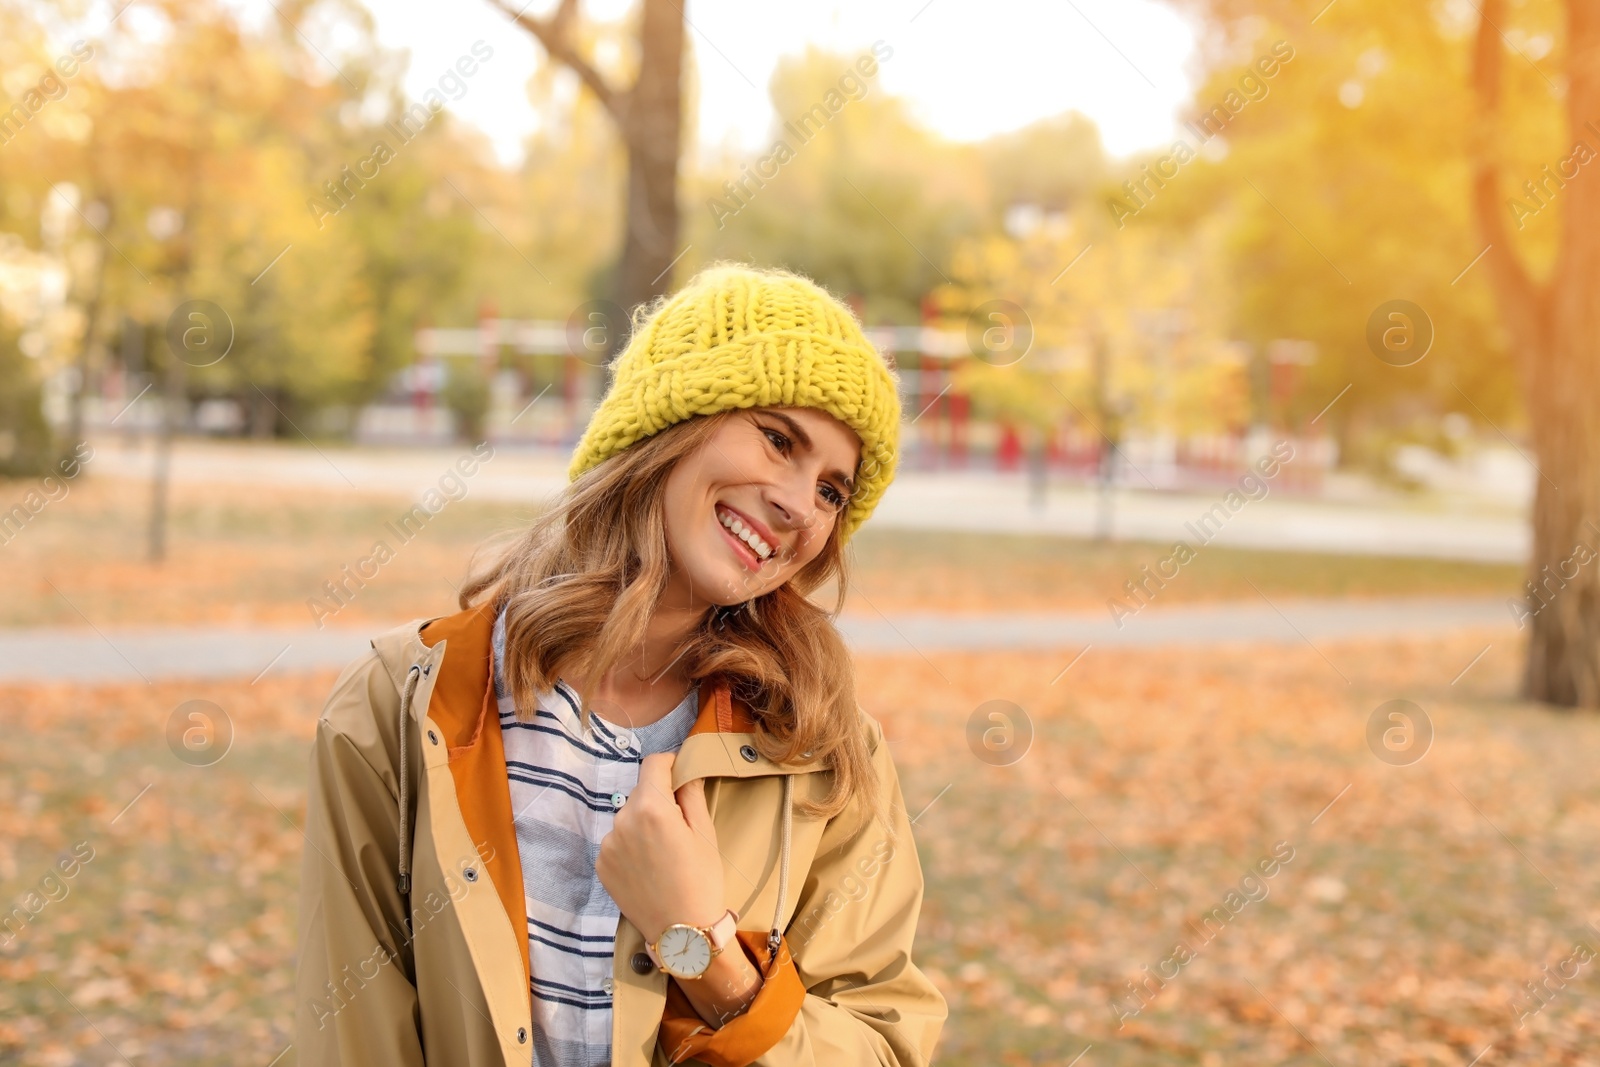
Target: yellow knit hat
{"points": [[738, 337]]}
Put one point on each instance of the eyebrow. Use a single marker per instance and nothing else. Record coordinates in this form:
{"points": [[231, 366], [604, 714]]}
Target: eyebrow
{"points": [[804, 438]]}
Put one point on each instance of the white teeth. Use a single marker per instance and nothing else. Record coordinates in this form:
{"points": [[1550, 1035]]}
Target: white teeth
{"points": [[745, 534]]}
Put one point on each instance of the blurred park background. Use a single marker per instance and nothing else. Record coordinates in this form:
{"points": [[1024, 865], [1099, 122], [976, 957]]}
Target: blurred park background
{"points": [[1247, 352]]}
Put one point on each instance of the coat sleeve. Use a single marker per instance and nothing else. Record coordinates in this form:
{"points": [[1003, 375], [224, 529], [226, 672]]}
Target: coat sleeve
{"points": [[355, 997], [845, 991]]}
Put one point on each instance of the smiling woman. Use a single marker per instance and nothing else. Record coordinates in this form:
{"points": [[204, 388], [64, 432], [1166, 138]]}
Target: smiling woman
{"points": [[805, 470], [678, 774]]}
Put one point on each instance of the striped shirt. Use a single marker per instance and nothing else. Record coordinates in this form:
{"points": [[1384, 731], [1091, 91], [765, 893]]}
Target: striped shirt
{"points": [[566, 785]]}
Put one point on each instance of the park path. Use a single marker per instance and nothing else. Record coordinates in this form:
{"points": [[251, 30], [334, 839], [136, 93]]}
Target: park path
{"points": [[130, 654]]}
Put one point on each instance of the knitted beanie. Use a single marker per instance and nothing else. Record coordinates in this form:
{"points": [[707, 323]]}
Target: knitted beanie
{"points": [[738, 337]]}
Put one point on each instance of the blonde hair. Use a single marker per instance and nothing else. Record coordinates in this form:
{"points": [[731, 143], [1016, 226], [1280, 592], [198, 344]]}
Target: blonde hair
{"points": [[580, 586]]}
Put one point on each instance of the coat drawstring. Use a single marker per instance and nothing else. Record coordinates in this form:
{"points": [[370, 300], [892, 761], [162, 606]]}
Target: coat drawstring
{"points": [[775, 937], [403, 882]]}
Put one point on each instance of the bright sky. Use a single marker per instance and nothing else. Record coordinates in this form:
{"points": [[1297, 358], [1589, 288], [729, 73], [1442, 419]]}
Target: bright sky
{"points": [[969, 70]]}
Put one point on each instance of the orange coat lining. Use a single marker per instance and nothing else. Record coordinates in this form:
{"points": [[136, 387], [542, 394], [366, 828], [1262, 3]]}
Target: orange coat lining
{"points": [[483, 792], [461, 704]]}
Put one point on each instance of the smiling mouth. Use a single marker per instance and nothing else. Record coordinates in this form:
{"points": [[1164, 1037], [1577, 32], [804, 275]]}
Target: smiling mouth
{"points": [[749, 538]]}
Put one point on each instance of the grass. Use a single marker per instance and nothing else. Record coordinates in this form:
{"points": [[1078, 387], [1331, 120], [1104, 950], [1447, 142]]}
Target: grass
{"points": [[1415, 906], [239, 556]]}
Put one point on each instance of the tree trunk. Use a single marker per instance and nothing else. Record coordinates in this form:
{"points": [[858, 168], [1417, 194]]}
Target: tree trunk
{"points": [[652, 129], [161, 479], [1555, 334], [649, 119], [93, 309]]}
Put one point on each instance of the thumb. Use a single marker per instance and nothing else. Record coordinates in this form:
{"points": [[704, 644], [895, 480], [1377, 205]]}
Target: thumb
{"points": [[655, 773], [692, 802]]}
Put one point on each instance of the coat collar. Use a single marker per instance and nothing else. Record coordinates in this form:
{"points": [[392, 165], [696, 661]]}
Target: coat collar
{"points": [[714, 748], [722, 742]]}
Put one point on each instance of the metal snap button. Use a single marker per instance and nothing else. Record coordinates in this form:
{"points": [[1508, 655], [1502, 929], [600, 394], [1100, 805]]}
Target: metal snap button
{"points": [[641, 963], [427, 669], [749, 753], [470, 874], [433, 737], [522, 1035]]}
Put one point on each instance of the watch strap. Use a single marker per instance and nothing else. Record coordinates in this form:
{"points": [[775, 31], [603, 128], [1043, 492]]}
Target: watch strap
{"points": [[721, 932]]}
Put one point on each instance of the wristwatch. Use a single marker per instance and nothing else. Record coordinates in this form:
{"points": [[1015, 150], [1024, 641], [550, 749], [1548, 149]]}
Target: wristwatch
{"points": [[686, 951]]}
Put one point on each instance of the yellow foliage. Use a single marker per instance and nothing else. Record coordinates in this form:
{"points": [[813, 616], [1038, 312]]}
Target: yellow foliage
{"points": [[1126, 321]]}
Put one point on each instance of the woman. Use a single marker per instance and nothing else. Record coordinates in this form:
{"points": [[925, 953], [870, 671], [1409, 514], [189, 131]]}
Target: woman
{"points": [[679, 840]]}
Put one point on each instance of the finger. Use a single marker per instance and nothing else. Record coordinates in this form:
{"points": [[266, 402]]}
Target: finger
{"points": [[655, 775], [692, 801]]}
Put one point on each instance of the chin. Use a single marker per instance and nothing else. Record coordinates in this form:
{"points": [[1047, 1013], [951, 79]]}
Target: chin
{"points": [[717, 584], [741, 585]]}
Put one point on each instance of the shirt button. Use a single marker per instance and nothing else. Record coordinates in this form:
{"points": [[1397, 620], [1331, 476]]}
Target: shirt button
{"points": [[608, 984], [641, 963], [617, 799]]}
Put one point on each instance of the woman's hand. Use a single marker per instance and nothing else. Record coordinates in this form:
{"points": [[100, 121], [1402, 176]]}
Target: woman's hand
{"points": [[661, 864], [660, 861]]}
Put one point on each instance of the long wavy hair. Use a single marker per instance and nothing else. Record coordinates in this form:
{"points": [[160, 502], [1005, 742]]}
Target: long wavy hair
{"points": [[579, 588]]}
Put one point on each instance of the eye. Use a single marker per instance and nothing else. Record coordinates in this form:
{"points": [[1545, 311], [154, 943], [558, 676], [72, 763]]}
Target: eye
{"points": [[835, 499], [779, 441]]}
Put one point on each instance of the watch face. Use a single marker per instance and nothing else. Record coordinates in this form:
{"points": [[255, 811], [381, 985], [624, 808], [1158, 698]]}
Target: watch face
{"points": [[684, 951]]}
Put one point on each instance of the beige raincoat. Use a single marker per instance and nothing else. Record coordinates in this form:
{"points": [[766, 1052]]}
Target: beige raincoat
{"points": [[413, 933]]}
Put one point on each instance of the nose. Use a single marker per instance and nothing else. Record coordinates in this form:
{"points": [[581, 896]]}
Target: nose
{"points": [[790, 500]]}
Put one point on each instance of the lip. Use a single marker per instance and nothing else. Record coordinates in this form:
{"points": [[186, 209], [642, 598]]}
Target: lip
{"points": [[745, 552]]}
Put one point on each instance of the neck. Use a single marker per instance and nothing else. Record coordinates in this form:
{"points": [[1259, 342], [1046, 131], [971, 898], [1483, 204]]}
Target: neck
{"points": [[645, 686]]}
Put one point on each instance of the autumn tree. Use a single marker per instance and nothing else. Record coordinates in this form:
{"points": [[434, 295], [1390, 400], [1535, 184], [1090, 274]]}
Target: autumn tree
{"points": [[1554, 327], [247, 129], [849, 188], [648, 116], [1086, 321], [1466, 117], [43, 238]]}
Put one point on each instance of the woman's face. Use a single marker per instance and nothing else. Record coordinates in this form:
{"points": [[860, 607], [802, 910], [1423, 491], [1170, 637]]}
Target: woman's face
{"points": [[756, 502]]}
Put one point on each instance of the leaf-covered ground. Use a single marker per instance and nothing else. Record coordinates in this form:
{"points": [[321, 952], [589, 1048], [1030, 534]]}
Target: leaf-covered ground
{"points": [[1402, 931]]}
